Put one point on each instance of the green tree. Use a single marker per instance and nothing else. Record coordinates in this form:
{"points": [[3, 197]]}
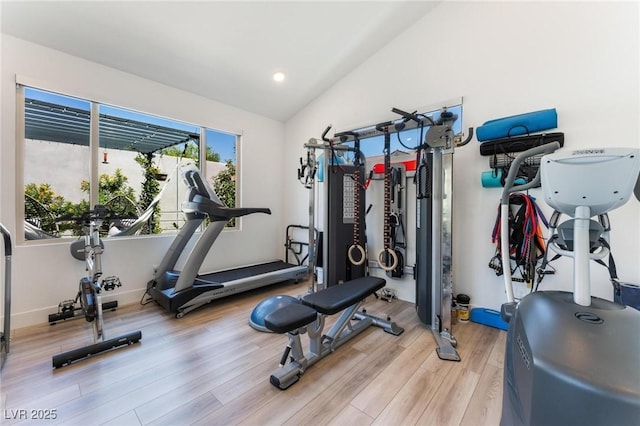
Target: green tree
{"points": [[150, 188], [111, 186], [114, 191], [50, 205], [43, 206], [224, 184], [45, 195], [191, 151]]}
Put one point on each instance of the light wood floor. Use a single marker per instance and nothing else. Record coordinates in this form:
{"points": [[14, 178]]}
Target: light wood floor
{"points": [[211, 368]]}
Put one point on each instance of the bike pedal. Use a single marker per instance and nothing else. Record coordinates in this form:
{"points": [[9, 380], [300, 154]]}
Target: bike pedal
{"points": [[66, 305], [110, 283]]}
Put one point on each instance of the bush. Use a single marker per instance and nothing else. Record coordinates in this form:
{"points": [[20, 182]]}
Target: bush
{"points": [[110, 187], [225, 186]]}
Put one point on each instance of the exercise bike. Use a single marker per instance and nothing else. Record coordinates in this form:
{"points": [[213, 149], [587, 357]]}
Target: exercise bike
{"points": [[90, 289], [570, 358]]}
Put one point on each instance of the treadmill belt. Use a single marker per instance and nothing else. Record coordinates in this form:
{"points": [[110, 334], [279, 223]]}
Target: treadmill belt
{"points": [[240, 273]]}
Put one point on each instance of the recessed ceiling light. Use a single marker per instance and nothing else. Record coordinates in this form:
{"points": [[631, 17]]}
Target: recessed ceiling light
{"points": [[279, 77]]}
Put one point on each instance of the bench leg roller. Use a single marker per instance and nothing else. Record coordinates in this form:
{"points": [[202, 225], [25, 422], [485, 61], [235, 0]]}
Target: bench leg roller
{"points": [[388, 326], [286, 376]]}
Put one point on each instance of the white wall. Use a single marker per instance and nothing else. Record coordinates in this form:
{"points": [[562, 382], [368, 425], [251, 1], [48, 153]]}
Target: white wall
{"points": [[504, 58], [44, 273]]}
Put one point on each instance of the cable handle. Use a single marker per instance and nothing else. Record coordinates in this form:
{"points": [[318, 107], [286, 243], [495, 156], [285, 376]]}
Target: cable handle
{"points": [[324, 134], [406, 115], [418, 118]]}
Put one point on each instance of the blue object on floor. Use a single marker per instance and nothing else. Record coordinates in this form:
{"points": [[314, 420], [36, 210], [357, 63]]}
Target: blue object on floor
{"points": [[516, 125], [488, 317], [264, 308], [629, 295]]}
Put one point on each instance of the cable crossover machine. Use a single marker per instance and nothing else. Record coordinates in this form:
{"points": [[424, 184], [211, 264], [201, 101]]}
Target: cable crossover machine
{"points": [[344, 216], [346, 281]]}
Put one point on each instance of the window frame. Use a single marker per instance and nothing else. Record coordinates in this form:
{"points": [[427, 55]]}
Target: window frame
{"points": [[23, 83]]}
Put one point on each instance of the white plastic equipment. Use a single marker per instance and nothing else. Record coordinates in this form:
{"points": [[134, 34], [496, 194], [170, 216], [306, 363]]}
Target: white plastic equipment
{"points": [[584, 184], [571, 358]]}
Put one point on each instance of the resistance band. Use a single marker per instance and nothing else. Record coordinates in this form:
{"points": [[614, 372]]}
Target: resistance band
{"points": [[526, 243]]}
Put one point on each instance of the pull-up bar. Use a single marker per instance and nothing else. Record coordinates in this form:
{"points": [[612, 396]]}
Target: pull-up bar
{"points": [[409, 121]]}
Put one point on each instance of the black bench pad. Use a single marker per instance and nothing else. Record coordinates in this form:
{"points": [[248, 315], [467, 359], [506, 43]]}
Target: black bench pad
{"points": [[334, 299], [289, 317]]}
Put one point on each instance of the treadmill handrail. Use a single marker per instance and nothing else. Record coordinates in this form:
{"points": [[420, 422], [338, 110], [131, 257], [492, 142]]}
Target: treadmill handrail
{"points": [[6, 236], [5, 335], [216, 212]]}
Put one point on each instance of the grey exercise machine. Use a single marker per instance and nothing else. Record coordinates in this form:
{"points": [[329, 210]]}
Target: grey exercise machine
{"points": [[90, 289], [433, 269], [572, 358], [434, 213], [5, 336], [180, 292], [309, 317], [343, 248], [345, 192]]}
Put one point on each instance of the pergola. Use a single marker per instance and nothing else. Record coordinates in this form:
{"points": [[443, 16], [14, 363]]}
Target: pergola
{"points": [[57, 123]]}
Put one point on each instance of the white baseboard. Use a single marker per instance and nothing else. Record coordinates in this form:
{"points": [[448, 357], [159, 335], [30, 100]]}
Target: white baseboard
{"points": [[41, 316]]}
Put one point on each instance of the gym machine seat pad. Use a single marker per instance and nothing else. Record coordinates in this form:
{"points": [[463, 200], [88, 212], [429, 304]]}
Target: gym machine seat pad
{"points": [[336, 298], [290, 318]]}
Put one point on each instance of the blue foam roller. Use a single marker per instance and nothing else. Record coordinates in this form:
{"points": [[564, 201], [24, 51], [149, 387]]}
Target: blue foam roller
{"points": [[517, 125], [492, 179], [264, 308]]}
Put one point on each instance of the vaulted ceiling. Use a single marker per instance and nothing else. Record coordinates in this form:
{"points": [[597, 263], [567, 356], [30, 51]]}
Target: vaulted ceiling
{"points": [[222, 50]]}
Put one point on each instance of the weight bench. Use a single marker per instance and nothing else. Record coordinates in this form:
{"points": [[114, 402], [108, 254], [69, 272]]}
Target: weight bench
{"points": [[309, 316]]}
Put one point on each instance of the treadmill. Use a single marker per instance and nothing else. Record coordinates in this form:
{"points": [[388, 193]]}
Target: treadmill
{"points": [[180, 292]]}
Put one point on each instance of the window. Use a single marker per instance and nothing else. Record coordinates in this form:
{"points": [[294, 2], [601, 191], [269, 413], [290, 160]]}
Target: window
{"points": [[78, 153], [56, 160], [140, 158]]}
